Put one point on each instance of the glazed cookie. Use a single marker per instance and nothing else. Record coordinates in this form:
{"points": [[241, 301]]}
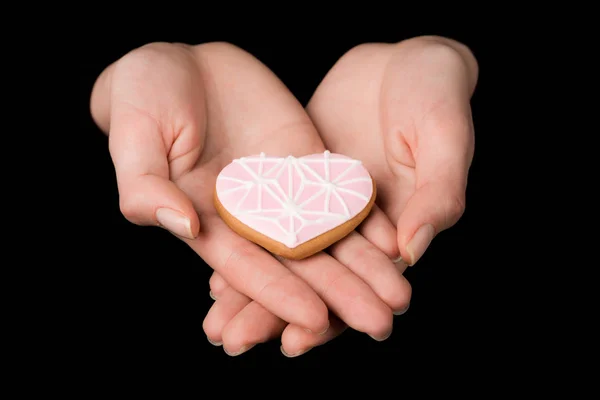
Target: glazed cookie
{"points": [[294, 207]]}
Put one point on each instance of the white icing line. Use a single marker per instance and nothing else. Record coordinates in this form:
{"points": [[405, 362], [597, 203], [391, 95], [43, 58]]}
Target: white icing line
{"points": [[340, 176], [341, 200], [353, 181], [274, 167], [354, 193], [237, 206], [327, 161], [228, 191], [313, 172]]}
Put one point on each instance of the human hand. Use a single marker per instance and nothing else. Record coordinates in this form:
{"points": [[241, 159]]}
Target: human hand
{"points": [[175, 116], [404, 110]]}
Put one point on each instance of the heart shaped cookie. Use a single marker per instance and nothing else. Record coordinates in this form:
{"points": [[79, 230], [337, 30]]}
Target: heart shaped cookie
{"points": [[294, 207]]}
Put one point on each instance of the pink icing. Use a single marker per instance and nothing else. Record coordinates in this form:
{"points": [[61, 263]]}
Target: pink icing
{"points": [[293, 200]]}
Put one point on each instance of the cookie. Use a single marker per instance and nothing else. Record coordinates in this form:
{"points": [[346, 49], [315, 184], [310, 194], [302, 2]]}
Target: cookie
{"points": [[294, 207]]}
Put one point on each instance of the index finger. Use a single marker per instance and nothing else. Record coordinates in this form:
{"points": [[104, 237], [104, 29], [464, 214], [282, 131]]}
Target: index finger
{"points": [[252, 271]]}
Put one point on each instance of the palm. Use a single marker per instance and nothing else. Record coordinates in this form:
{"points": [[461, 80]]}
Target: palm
{"points": [[349, 115], [259, 115]]}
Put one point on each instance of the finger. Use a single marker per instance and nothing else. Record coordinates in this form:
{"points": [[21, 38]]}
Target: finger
{"points": [[124, 103], [217, 285], [251, 326], [295, 341], [255, 273], [376, 269], [379, 230], [222, 311], [244, 334], [346, 295]]}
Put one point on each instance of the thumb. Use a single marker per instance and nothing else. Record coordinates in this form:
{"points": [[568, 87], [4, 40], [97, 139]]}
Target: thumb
{"points": [[147, 196], [442, 162]]}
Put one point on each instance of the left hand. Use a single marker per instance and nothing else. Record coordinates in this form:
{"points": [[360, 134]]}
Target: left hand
{"points": [[404, 110]]}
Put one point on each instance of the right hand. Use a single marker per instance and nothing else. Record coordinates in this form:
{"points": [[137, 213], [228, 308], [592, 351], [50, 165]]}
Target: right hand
{"points": [[175, 116]]}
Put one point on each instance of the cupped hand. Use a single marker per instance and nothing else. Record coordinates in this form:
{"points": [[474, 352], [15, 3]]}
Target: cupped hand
{"points": [[175, 116], [404, 110]]}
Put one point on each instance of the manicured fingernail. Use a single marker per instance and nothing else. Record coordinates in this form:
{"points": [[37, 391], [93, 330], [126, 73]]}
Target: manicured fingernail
{"points": [[322, 333], [400, 312], [214, 343], [242, 349], [212, 296], [419, 243], [397, 260], [175, 222], [299, 353], [381, 339]]}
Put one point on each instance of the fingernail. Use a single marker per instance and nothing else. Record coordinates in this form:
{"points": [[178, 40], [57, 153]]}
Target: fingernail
{"points": [[212, 296], [295, 354], [322, 333], [419, 243], [400, 312], [397, 260], [214, 343], [242, 349], [175, 222], [382, 338]]}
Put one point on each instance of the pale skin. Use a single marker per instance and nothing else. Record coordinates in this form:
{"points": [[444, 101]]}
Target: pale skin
{"points": [[176, 114]]}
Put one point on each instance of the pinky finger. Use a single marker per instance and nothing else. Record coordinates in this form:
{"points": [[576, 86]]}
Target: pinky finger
{"points": [[296, 341]]}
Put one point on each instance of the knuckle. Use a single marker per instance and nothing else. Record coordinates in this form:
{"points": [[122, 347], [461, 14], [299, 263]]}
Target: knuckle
{"points": [[130, 208], [240, 252], [150, 61], [366, 259], [276, 285], [363, 51], [443, 116], [146, 55], [213, 51], [438, 46], [217, 46], [455, 208], [446, 51]]}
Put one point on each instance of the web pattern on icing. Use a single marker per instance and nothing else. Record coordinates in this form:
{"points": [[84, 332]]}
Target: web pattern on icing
{"points": [[291, 215]]}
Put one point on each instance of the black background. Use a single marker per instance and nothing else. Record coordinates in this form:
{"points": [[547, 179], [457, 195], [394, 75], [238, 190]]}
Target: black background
{"points": [[137, 296]]}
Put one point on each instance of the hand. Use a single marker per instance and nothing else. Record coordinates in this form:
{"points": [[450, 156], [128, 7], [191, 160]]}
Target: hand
{"points": [[175, 116], [404, 110]]}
